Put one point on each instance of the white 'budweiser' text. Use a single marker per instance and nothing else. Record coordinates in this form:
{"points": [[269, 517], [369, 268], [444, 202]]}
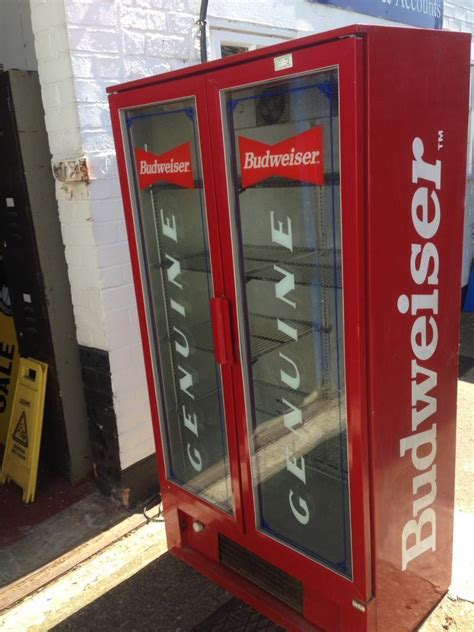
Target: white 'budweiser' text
{"points": [[419, 533], [147, 168], [291, 159]]}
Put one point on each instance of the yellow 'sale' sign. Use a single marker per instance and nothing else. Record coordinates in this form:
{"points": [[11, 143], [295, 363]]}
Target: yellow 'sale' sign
{"points": [[9, 360]]}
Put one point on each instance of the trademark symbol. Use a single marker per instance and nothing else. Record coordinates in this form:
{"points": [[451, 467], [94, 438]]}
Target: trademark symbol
{"points": [[440, 139]]}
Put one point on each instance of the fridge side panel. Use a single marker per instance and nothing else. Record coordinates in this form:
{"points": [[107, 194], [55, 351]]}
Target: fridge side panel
{"points": [[417, 124]]}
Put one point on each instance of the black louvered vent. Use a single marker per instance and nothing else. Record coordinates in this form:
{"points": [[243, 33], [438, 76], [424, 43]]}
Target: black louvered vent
{"points": [[264, 575]]}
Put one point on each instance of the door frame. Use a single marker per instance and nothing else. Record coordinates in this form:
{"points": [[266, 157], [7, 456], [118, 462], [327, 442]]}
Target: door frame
{"points": [[174, 495], [347, 56]]}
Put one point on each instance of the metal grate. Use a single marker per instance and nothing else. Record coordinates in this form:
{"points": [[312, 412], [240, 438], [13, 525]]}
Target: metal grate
{"points": [[264, 575], [320, 267], [236, 616]]}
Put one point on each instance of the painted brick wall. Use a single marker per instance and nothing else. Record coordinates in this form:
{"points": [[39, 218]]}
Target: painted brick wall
{"points": [[84, 46]]}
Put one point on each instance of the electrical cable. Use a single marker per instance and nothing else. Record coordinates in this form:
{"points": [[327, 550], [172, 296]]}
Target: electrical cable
{"points": [[159, 516], [202, 21]]}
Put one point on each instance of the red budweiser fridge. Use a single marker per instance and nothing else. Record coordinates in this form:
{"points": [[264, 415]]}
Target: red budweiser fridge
{"points": [[295, 221]]}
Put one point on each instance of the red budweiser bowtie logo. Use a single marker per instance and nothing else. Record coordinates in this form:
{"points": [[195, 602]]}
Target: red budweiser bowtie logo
{"points": [[173, 166], [297, 158]]}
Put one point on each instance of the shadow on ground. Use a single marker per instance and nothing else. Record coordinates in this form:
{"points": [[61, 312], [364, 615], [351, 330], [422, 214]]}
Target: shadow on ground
{"points": [[165, 596], [56, 536]]}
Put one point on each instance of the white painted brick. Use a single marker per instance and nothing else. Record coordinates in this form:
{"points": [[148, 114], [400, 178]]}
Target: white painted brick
{"points": [[180, 23], [106, 233], [122, 232], [67, 95], [96, 140], [108, 67], [103, 165], [83, 276], [118, 319], [111, 277], [90, 91], [450, 24], [94, 41], [166, 46], [82, 66], [92, 298], [448, 11], [105, 188], [56, 143], [107, 210], [127, 273], [90, 328], [46, 16], [134, 43], [121, 333], [59, 119], [133, 18], [118, 298], [94, 115], [113, 255], [59, 41], [156, 20], [81, 206], [51, 96], [127, 358], [135, 380], [96, 14], [74, 256], [130, 457], [43, 44], [138, 429], [78, 235], [53, 70], [58, 94], [66, 207], [137, 68], [460, 12], [179, 6]]}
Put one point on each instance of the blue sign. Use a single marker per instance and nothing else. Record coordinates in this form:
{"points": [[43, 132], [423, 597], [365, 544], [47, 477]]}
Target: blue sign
{"points": [[425, 13]]}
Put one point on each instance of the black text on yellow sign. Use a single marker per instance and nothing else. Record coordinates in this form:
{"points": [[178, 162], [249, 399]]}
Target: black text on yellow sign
{"points": [[20, 461], [9, 360]]}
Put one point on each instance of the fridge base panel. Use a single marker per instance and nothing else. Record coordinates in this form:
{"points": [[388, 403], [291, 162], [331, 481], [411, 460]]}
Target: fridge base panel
{"points": [[259, 584]]}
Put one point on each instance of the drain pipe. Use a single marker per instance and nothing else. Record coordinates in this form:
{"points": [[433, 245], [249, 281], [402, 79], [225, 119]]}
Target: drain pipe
{"points": [[202, 21]]}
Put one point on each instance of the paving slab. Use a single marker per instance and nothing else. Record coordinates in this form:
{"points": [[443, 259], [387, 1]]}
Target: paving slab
{"points": [[59, 534]]}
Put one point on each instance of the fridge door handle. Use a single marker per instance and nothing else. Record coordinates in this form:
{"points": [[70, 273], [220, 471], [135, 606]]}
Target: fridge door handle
{"points": [[220, 314]]}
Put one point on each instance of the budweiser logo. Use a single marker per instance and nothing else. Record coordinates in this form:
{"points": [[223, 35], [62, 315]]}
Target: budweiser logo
{"points": [[297, 158], [173, 167]]}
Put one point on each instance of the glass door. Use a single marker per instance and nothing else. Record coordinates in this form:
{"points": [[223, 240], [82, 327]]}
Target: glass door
{"points": [[171, 221], [282, 145]]}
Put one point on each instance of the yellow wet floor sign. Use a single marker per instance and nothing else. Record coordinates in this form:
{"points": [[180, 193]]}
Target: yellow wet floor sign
{"points": [[9, 359], [20, 461]]}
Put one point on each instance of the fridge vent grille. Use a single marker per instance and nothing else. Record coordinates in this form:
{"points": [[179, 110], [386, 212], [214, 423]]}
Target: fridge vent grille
{"points": [[264, 575]]}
